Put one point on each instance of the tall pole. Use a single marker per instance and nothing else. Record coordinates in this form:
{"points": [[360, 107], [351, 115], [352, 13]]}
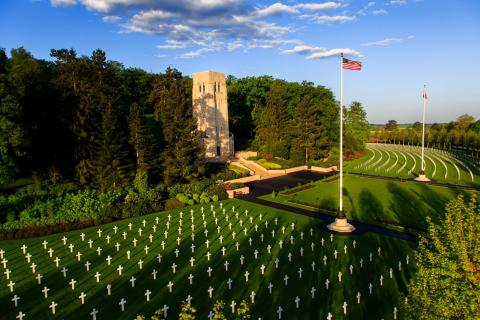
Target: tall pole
{"points": [[423, 127], [340, 208]]}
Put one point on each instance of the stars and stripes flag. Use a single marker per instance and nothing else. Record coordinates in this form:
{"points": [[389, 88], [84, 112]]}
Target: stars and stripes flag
{"points": [[351, 64]]}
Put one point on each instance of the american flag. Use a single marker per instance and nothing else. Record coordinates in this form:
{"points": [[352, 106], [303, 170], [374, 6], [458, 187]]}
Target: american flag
{"points": [[424, 95], [351, 65]]}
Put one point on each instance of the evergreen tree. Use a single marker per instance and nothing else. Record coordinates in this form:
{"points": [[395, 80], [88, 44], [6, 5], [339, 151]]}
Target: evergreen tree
{"points": [[12, 139], [308, 136], [272, 123], [447, 283], [112, 160], [183, 155], [141, 139], [356, 128]]}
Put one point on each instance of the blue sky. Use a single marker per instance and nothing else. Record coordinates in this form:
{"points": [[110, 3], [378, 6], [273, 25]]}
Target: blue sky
{"points": [[403, 44]]}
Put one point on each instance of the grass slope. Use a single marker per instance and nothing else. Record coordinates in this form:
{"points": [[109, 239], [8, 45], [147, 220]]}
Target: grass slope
{"points": [[35, 306], [377, 200]]}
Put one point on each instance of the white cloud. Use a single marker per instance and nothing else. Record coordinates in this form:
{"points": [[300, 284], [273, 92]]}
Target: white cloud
{"points": [[173, 44], [380, 11], [387, 41], [370, 4], [313, 52], [195, 53], [111, 19], [61, 3], [333, 19], [275, 10], [333, 52], [318, 6], [398, 2]]}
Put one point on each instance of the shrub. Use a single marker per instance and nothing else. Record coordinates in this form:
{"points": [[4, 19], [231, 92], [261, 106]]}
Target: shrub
{"points": [[173, 203]]}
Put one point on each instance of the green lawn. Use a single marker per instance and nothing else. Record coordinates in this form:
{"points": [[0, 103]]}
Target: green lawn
{"points": [[377, 200], [379, 304]]}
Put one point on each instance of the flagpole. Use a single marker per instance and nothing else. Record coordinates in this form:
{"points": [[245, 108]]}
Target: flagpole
{"points": [[422, 177], [341, 215], [340, 224]]}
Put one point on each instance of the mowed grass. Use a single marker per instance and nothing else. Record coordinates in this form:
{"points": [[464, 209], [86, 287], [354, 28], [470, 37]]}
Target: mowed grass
{"points": [[374, 200], [274, 225], [405, 162]]}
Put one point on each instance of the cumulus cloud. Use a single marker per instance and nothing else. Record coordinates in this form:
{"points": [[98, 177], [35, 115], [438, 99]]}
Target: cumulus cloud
{"points": [[275, 10], [318, 6], [387, 41], [313, 52]]}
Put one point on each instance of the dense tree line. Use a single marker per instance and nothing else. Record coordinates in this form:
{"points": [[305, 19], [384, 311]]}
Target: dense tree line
{"points": [[86, 119], [297, 121], [461, 134]]}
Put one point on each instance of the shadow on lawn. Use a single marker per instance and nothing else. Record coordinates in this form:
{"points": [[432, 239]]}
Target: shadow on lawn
{"points": [[370, 205]]}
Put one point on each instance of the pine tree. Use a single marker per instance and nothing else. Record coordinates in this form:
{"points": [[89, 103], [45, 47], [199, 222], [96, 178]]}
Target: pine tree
{"points": [[447, 282], [183, 155], [141, 139], [112, 160]]}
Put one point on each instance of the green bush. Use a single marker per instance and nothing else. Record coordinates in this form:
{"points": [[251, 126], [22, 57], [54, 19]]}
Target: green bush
{"points": [[173, 203]]}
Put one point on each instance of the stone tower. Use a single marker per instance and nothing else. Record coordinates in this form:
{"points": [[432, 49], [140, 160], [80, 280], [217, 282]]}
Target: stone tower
{"points": [[211, 111]]}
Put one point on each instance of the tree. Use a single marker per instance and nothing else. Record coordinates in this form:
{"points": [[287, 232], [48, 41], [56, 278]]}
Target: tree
{"points": [[391, 125], [417, 126], [463, 121], [183, 156], [447, 283], [112, 161], [356, 128]]}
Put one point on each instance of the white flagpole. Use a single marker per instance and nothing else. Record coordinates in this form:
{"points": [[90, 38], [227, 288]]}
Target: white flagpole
{"points": [[423, 128], [340, 208]]}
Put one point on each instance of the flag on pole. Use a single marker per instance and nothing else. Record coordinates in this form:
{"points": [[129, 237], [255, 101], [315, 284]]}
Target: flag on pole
{"points": [[424, 95], [351, 64]]}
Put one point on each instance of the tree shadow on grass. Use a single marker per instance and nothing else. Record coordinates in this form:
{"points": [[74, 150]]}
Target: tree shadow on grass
{"points": [[370, 207], [406, 208]]}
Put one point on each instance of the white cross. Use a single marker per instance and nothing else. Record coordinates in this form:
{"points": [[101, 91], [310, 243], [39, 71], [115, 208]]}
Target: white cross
{"points": [[301, 252], [45, 292], [379, 251], [252, 296], [335, 253], [286, 280], [87, 265], [312, 292], [139, 232], [132, 281], [209, 270], [128, 254], [147, 295], [99, 232], [359, 295], [119, 269], [28, 256], [99, 251], [241, 259], [340, 276], [94, 314], [313, 266], [229, 282], [270, 287], [381, 280], [159, 258], [329, 316], [276, 263], [45, 242], [289, 257], [117, 245], [82, 297], [246, 276], [170, 285], [351, 269], [52, 306], [108, 259], [279, 312], [176, 252], [50, 252], [150, 237], [190, 278], [97, 275], [297, 302], [72, 283], [134, 242], [192, 260], [15, 300], [262, 268], [226, 265], [130, 226], [20, 315], [7, 273], [354, 244], [232, 305], [210, 291], [344, 307], [165, 309], [345, 249], [32, 266], [57, 261], [2, 252], [39, 278], [115, 228], [154, 274], [300, 271], [395, 313], [82, 236], [122, 304], [174, 267], [193, 248], [124, 234], [255, 253], [78, 255], [223, 251], [361, 262], [370, 287], [64, 239], [109, 288], [71, 246], [140, 263], [326, 283]]}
